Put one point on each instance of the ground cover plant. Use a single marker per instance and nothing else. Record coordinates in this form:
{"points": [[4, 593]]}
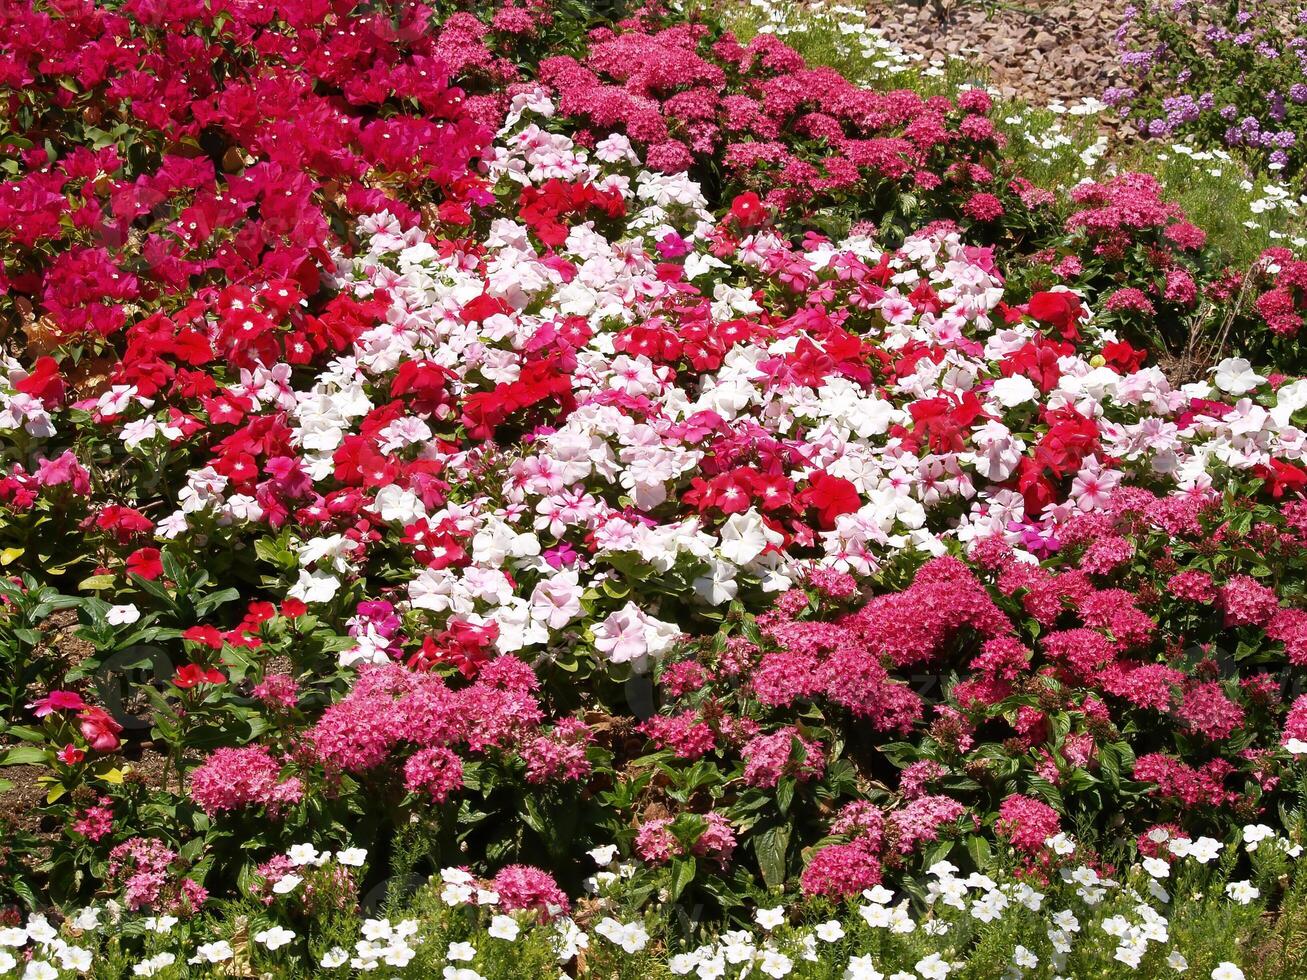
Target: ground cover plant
{"points": [[509, 489], [1233, 74]]}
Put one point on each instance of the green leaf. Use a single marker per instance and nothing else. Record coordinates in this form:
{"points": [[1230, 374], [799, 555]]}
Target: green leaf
{"points": [[683, 872], [785, 793], [980, 852], [771, 847], [24, 755]]}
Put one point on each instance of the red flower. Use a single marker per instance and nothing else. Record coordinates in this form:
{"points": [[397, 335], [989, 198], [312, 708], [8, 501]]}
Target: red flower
{"points": [[747, 210], [463, 645], [99, 729], [44, 382], [70, 755], [146, 563], [293, 608], [1123, 357], [1282, 476], [193, 675], [1060, 310], [943, 420], [209, 636], [831, 496]]}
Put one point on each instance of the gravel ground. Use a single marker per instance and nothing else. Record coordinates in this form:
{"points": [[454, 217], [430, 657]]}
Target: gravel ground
{"points": [[1039, 50]]}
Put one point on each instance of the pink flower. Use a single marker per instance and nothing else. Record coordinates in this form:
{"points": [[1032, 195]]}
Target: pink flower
{"points": [[1247, 602], [57, 701], [783, 753], [1026, 823], [436, 772], [840, 871], [521, 886], [236, 778], [99, 729]]}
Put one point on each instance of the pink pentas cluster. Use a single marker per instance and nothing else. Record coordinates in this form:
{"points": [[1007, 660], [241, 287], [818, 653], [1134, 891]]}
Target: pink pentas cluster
{"points": [[840, 871], [1246, 602], [277, 691], [1283, 306], [1186, 785], [656, 843], [560, 754], [1295, 722], [96, 821], [392, 709], [1207, 710], [915, 626], [237, 778], [1026, 823], [784, 753], [433, 772], [920, 820], [685, 734], [144, 868], [522, 886]]}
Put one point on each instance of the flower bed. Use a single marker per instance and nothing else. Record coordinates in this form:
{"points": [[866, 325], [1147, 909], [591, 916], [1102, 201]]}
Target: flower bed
{"points": [[430, 456]]}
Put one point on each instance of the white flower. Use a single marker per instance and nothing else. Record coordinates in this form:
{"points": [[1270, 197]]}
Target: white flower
{"points": [[74, 958], [274, 938], [504, 927], [603, 856], [398, 955], [933, 967], [122, 615], [830, 932], [1236, 376], [302, 854], [314, 587], [86, 919], [1062, 844], [334, 957], [862, 968], [631, 636], [1242, 892], [878, 894], [352, 857], [631, 936], [1014, 391], [1205, 850], [1254, 834], [1227, 971], [146, 968], [375, 930], [461, 952], [287, 884], [1157, 867], [1177, 962], [769, 918], [1023, 957], [775, 964], [215, 952]]}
